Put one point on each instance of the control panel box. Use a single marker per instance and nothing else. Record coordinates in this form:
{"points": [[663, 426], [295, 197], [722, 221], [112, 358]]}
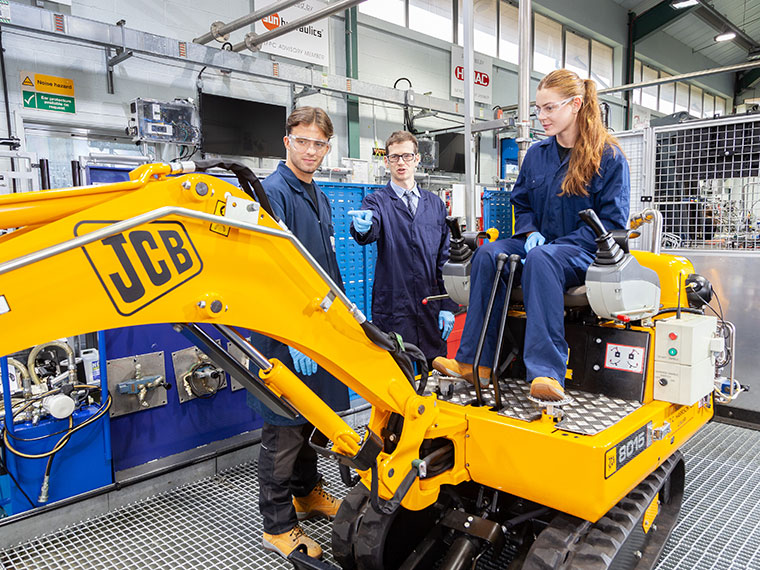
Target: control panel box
{"points": [[685, 340], [684, 367], [160, 122]]}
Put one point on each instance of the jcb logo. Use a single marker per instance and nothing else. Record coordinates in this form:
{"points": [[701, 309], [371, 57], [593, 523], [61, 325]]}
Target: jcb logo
{"points": [[138, 266]]}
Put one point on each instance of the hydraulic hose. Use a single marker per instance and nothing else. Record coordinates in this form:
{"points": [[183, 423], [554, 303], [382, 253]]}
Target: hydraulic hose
{"points": [[57, 343], [24, 376], [62, 442]]}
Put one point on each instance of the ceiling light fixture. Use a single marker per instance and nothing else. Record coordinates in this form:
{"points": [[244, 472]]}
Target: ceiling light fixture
{"points": [[678, 4], [725, 36]]}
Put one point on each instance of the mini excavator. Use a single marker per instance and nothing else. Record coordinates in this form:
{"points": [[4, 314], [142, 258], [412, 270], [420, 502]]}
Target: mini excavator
{"points": [[449, 472]]}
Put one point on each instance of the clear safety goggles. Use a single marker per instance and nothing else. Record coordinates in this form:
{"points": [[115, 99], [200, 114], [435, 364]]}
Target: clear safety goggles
{"points": [[550, 108], [302, 144]]}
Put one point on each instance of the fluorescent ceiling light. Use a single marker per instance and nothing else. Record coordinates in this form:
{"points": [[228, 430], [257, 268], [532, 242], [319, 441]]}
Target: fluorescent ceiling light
{"points": [[725, 36], [678, 4]]}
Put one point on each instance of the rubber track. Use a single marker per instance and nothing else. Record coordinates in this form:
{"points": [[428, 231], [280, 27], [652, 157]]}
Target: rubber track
{"points": [[571, 542]]}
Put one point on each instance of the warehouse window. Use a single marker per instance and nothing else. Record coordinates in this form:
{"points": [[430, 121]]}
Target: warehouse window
{"points": [[508, 34], [695, 101], [432, 17], [649, 97], [708, 106], [667, 95], [601, 65], [682, 97], [547, 45], [577, 54], [720, 106], [484, 14], [393, 11]]}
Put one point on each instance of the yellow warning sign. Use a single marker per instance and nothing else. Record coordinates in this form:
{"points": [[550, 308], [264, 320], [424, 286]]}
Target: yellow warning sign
{"points": [[48, 83], [219, 228]]}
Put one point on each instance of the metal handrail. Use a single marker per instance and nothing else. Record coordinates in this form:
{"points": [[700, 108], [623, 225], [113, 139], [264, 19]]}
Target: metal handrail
{"points": [[654, 217]]}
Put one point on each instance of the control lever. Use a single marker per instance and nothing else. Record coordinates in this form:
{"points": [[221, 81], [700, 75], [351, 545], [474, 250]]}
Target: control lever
{"points": [[608, 251], [459, 251]]}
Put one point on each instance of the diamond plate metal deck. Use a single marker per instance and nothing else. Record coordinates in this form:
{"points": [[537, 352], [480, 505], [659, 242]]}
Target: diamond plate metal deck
{"points": [[587, 414], [214, 523]]}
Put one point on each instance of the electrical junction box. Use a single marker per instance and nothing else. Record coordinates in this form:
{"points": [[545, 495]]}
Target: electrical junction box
{"points": [[159, 122], [684, 366]]}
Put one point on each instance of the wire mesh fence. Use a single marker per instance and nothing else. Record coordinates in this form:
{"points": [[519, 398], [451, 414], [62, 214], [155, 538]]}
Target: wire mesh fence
{"points": [[705, 180]]}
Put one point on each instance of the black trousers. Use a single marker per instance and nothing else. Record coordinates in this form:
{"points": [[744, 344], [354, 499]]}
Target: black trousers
{"points": [[287, 469]]}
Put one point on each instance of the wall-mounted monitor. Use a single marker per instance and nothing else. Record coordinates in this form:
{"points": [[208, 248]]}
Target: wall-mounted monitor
{"points": [[451, 152], [237, 127]]}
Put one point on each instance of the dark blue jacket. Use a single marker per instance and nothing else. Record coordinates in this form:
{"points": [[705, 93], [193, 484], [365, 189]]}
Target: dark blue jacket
{"points": [[312, 225], [410, 256], [538, 206]]}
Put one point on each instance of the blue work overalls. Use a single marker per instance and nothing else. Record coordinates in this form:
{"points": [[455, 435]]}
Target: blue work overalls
{"points": [[411, 251], [550, 269], [287, 463]]}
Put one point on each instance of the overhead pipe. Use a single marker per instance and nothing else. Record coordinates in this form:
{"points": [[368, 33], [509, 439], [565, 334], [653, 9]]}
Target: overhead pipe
{"points": [[662, 81], [683, 77], [524, 28], [253, 41], [220, 31]]}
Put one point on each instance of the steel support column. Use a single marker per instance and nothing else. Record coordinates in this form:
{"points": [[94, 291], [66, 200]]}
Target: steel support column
{"points": [[523, 78], [658, 16], [352, 71], [469, 113]]}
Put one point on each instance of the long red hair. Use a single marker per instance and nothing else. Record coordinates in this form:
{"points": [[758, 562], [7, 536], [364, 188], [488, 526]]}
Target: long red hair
{"points": [[593, 137]]}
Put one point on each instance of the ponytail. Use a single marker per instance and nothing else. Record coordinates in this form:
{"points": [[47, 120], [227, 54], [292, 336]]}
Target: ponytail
{"points": [[593, 138]]}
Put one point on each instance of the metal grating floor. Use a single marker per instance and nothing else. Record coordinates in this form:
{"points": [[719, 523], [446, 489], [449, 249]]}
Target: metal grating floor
{"points": [[213, 523]]}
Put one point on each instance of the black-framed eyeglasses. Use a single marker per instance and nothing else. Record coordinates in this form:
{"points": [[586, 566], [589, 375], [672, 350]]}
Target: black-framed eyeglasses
{"points": [[406, 157]]}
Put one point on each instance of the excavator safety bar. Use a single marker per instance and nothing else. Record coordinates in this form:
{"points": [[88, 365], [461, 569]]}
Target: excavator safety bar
{"points": [[163, 212]]}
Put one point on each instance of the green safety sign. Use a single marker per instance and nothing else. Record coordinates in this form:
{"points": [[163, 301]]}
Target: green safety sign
{"points": [[48, 102]]}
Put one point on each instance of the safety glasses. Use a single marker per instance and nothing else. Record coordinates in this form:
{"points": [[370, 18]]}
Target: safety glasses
{"points": [[550, 108], [302, 144]]}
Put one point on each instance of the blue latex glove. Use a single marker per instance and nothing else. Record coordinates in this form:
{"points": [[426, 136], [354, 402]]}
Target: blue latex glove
{"points": [[362, 220], [445, 323], [533, 240], [303, 364]]}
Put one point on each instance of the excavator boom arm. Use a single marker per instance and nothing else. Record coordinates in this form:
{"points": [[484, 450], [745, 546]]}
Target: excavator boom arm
{"points": [[186, 249]]}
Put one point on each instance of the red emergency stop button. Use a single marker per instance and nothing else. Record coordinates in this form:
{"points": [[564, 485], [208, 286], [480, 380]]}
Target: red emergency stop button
{"points": [[673, 336]]}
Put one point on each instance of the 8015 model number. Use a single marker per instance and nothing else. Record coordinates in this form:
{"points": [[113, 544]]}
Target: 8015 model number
{"points": [[616, 457]]}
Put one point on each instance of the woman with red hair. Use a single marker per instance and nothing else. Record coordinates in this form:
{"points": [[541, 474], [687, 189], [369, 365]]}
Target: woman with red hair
{"points": [[578, 166]]}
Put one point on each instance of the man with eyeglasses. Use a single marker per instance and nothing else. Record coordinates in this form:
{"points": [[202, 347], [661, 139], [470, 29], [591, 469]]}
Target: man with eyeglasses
{"points": [[290, 487], [409, 226]]}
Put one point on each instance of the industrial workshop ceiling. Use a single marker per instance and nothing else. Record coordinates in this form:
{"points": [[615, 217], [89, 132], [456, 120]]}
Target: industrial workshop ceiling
{"points": [[698, 25]]}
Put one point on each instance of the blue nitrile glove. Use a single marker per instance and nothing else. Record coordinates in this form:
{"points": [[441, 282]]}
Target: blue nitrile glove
{"points": [[362, 220], [445, 323], [303, 364], [533, 240]]}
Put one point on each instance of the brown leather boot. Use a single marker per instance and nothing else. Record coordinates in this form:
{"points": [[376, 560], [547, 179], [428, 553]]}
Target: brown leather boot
{"points": [[544, 388], [451, 367], [317, 503], [289, 541]]}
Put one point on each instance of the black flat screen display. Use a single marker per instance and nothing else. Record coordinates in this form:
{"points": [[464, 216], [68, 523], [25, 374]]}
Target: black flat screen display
{"points": [[451, 152], [237, 127]]}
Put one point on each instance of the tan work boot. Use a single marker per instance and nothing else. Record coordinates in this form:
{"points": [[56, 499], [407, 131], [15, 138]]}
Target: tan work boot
{"points": [[544, 388], [451, 367], [291, 540], [317, 503]]}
